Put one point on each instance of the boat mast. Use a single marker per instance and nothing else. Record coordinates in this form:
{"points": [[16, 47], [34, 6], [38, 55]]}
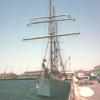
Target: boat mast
{"points": [[52, 20], [50, 33]]}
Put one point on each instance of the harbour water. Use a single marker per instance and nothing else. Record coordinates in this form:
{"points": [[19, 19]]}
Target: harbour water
{"points": [[22, 90]]}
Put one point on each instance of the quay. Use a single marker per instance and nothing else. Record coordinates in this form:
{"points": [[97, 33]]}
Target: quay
{"points": [[90, 90]]}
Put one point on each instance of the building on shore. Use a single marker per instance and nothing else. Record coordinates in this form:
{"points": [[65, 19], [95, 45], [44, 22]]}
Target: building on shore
{"points": [[25, 75], [97, 68], [30, 75], [86, 72], [8, 76]]}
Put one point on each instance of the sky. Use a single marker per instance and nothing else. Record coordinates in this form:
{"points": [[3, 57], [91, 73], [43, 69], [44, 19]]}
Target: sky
{"points": [[18, 56]]}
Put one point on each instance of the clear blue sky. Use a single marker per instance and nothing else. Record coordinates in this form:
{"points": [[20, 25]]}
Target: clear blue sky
{"points": [[15, 14]]}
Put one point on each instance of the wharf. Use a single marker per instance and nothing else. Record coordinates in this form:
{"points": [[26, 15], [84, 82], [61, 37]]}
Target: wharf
{"points": [[89, 91]]}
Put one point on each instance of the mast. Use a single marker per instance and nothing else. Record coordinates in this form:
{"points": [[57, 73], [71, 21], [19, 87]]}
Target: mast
{"points": [[55, 44], [52, 20], [50, 33]]}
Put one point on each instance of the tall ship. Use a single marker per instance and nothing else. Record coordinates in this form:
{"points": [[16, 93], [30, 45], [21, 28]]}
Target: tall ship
{"points": [[53, 79]]}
